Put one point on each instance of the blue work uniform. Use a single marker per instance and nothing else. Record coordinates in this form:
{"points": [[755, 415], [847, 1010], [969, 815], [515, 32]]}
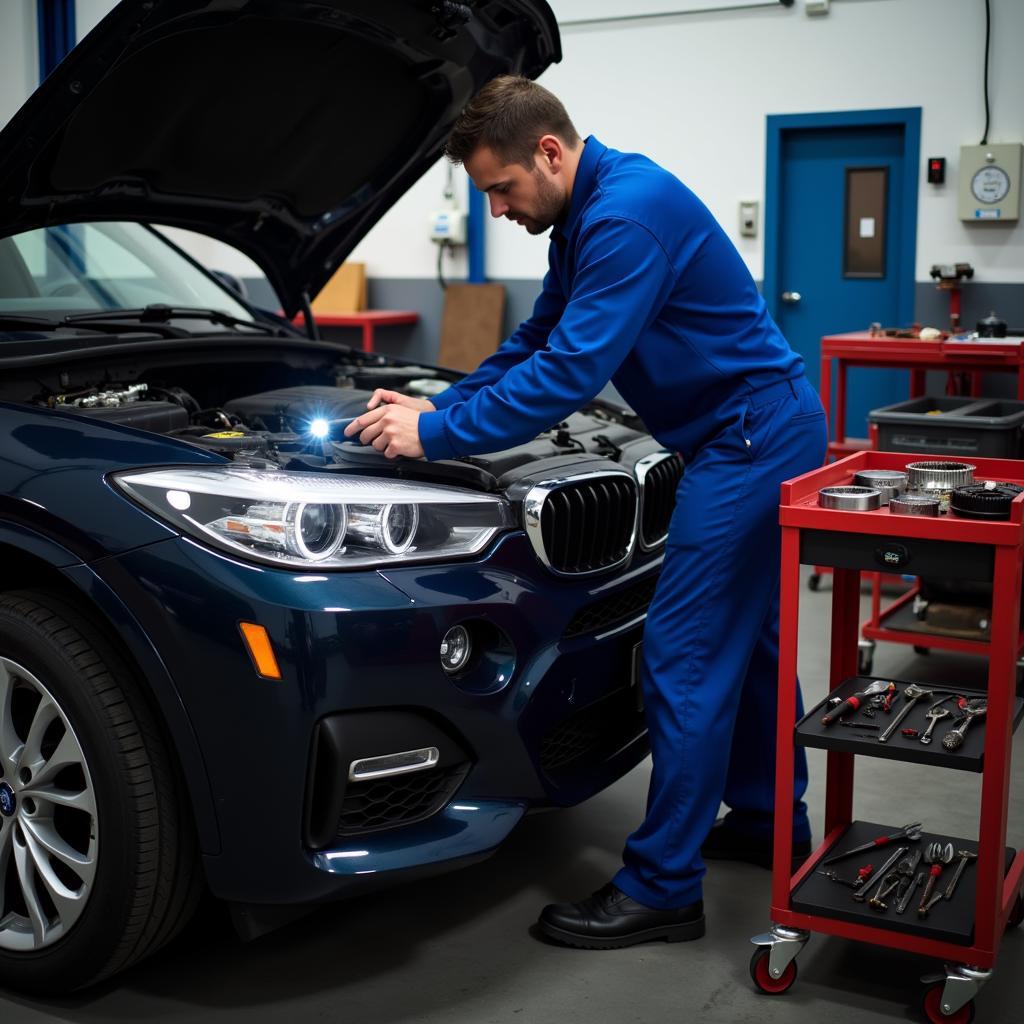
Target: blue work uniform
{"points": [[645, 289]]}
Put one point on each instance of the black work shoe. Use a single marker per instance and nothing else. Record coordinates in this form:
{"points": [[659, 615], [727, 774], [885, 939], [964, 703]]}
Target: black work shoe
{"points": [[725, 843], [610, 920]]}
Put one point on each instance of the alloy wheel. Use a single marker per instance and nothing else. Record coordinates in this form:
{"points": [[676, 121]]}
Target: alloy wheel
{"points": [[48, 820]]}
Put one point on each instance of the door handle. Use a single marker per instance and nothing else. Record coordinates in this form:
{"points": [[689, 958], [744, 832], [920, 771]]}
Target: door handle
{"points": [[793, 297]]}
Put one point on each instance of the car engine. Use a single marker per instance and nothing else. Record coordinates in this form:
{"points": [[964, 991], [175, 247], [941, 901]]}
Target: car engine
{"points": [[300, 425]]}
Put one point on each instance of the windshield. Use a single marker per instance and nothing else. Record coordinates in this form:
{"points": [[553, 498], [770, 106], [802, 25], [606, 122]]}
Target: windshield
{"points": [[85, 267]]}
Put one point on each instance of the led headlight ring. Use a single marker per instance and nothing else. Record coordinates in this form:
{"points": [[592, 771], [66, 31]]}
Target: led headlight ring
{"points": [[323, 538]]}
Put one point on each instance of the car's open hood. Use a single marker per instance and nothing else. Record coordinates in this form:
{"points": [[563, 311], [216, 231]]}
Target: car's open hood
{"points": [[285, 128]]}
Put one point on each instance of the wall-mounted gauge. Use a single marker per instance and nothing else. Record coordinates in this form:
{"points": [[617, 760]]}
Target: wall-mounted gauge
{"points": [[990, 182]]}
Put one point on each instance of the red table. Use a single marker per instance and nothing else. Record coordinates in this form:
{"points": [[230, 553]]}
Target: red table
{"points": [[369, 320], [860, 348]]}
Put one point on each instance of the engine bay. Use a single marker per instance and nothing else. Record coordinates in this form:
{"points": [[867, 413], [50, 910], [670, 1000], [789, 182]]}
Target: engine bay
{"points": [[290, 413]]}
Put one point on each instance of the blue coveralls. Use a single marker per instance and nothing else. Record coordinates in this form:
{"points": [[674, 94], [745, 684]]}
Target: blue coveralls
{"points": [[644, 288]]}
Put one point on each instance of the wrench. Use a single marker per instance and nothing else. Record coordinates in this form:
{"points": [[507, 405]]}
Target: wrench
{"points": [[905, 898], [965, 858], [936, 715], [912, 694], [862, 896], [911, 832]]}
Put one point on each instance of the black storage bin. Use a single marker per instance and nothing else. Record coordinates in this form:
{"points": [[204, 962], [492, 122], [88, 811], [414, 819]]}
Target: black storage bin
{"points": [[962, 427]]}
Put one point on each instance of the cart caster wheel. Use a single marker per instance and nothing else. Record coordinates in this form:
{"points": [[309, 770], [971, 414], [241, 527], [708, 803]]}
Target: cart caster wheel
{"points": [[814, 582], [1016, 917], [933, 1008], [764, 981], [922, 650], [865, 661]]}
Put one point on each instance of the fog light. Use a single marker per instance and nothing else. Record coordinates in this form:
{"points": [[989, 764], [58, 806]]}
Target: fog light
{"points": [[456, 648]]}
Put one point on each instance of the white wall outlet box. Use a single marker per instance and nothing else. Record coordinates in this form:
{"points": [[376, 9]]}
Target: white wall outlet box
{"points": [[748, 218], [816, 6], [448, 226], [990, 182]]}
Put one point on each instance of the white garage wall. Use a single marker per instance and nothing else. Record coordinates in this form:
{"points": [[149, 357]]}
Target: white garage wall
{"points": [[88, 13], [19, 55], [693, 91]]}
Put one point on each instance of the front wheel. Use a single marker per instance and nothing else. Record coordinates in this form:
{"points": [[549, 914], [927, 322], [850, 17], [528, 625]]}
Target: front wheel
{"points": [[98, 863]]}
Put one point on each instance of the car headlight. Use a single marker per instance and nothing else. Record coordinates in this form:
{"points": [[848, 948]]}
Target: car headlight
{"points": [[323, 521]]}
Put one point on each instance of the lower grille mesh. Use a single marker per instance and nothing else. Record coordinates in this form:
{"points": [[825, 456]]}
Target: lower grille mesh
{"points": [[399, 800], [592, 733], [613, 610]]}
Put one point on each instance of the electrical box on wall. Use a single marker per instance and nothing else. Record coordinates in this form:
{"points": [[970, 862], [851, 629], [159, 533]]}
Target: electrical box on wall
{"points": [[448, 226], [748, 218], [990, 182]]}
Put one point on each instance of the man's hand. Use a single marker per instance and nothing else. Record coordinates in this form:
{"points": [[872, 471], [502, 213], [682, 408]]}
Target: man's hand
{"points": [[391, 428], [382, 397]]}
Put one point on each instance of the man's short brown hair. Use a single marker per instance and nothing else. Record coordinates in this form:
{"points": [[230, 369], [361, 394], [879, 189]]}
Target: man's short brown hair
{"points": [[509, 115]]}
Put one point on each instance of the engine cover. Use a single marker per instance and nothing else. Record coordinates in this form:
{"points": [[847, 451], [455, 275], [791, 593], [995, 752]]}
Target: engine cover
{"points": [[292, 409], [160, 417]]}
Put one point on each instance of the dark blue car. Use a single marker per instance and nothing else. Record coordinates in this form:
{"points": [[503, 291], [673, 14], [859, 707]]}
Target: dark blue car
{"points": [[236, 651]]}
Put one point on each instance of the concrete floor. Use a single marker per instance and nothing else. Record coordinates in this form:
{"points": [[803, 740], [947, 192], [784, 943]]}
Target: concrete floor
{"points": [[459, 949]]}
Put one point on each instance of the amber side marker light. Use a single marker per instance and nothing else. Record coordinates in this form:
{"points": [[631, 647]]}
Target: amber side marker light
{"points": [[257, 642]]}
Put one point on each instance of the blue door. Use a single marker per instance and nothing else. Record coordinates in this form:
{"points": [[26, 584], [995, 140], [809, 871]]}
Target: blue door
{"points": [[830, 266]]}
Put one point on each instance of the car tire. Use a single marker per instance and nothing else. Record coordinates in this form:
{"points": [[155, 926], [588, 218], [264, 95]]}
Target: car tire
{"points": [[132, 871]]}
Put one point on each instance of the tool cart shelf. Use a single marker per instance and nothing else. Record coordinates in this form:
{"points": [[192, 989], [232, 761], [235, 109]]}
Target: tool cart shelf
{"points": [[969, 757], [965, 931]]}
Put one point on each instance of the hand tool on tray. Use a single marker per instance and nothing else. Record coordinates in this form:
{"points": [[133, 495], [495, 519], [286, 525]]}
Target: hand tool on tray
{"points": [[862, 896], [907, 868], [853, 702], [912, 694], [965, 858], [863, 874], [911, 832], [890, 884], [937, 855], [904, 900], [954, 739], [934, 715]]}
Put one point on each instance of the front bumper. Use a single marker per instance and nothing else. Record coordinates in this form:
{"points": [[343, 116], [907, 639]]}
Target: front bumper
{"points": [[552, 723]]}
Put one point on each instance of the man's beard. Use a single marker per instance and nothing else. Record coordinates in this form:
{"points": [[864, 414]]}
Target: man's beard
{"points": [[550, 205]]}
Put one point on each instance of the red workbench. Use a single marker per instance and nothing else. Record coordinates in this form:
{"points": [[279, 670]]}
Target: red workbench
{"points": [[860, 348], [368, 320], [966, 932]]}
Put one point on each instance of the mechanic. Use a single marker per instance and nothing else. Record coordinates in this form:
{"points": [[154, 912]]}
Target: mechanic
{"points": [[645, 289]]}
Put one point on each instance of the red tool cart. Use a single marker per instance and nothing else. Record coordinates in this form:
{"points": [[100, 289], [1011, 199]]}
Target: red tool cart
{"points": [[963, 931]]}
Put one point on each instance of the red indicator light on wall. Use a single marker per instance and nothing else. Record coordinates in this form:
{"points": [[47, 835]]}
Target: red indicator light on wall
{"points": [[936, 170]]}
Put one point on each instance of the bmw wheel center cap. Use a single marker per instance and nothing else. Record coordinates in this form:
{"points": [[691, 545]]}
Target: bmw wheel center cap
{"points": [[8, 801]]}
